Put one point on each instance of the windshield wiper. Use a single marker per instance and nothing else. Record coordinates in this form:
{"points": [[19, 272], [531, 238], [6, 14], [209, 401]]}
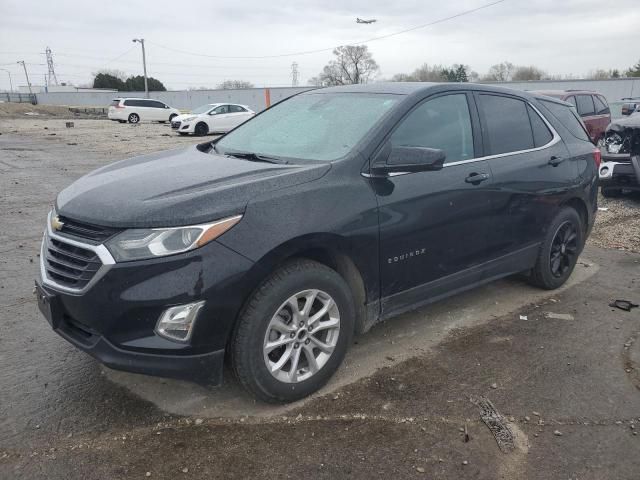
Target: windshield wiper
{"points": [[254, 157]]}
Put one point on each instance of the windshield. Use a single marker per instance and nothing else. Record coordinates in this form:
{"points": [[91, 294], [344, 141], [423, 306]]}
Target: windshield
{"points": [[312, 126], [202, 109]]}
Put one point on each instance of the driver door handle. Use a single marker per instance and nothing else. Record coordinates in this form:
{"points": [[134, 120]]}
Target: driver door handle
{"points": [[476, 178], [555, 161]]}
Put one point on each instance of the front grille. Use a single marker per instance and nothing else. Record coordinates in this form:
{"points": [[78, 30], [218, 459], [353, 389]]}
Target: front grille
{"points": [[85, 231], [175, 124], [69, 265]]}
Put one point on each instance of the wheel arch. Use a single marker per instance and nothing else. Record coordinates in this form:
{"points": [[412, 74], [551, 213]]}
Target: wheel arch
{"points": [[579, 206], [329, 250]]}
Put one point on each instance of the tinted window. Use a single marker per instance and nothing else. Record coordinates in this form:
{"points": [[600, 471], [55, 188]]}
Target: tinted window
{"points": [[541, 133], [115, 103], [568, 118], [132, 103], [442, 123], [236, 109], [507, 125], [601, 105], [155, 104], [222, 109], [585, 105], [572, 100]]}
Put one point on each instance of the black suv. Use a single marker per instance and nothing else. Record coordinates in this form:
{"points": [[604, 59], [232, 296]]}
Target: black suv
{"points": [[329, 212]]}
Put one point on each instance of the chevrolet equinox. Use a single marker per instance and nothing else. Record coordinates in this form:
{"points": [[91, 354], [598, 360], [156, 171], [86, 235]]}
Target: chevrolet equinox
{"points": [[270, 247]]}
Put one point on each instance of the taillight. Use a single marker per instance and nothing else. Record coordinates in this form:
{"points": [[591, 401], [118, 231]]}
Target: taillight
{"points": [[597, 156], [119, 106]]}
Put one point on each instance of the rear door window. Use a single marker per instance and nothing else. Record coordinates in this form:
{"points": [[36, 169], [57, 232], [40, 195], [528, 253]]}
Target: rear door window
{"points": [[541, 133], [507, 127], [236, 109], [585, 105], [602, 108], [443, 123], [155, 104], [567, 116]]}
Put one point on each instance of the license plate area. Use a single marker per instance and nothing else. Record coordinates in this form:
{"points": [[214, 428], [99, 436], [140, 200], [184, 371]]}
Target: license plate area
{"points": [[47, 303]]}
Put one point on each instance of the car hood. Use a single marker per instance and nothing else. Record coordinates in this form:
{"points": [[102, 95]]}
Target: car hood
{"points": [[176, 188], [180, 118], [621, 124]]}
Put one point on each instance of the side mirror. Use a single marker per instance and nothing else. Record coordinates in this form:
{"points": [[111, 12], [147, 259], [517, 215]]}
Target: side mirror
{"points": [[407, 160]]}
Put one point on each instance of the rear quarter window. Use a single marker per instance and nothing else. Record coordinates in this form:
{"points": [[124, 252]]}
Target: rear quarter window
{"points": [[507, 127], [541, 133], [115, 103], [567, 117]]}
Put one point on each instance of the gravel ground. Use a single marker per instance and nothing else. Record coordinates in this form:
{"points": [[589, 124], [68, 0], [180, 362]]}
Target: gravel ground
{"points": [[619, 225]]}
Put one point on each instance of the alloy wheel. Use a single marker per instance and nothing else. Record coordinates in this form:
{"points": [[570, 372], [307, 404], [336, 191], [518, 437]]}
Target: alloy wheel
{"points": [[564, 249], [301, 336]]}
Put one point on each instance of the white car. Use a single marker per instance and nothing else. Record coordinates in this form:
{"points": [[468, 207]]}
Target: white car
{"points": [[212, 118], [135, 110]]}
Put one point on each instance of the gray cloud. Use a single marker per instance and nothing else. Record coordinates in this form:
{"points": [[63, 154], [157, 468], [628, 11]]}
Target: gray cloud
{"points": [[568, 37]]}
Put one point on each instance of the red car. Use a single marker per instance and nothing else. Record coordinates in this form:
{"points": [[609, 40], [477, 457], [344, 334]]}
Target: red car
{"points": [[591, 106]]}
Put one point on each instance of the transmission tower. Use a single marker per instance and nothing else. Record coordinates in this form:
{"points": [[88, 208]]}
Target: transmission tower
{"points": [[294, 74], [52, 72]]}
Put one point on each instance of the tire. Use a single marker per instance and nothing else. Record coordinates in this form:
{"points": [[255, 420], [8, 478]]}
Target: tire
{"points": [[266, 318], [559, 251], [611, 192], [134, 118], [172, 116], [201, 129]]}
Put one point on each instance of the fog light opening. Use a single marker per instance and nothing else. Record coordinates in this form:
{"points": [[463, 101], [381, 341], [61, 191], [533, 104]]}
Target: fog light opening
{"points": [[176, 323], [604, 170]]}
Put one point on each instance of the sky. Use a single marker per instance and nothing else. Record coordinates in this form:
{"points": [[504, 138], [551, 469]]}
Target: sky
{"points": [[189, 43]]}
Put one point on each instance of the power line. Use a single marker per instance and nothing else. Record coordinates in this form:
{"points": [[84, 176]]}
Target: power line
{"points": [[320, 50]]}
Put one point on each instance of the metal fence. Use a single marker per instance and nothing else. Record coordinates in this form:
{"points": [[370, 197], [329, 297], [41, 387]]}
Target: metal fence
{"points": [[18, 98]]}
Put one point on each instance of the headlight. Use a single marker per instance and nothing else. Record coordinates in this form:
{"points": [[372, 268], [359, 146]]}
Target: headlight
{"points": [[138, 244], [188, 119]]}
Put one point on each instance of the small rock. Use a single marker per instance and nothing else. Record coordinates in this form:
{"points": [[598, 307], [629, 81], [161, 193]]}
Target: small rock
{"points": [[465, 462], [148, 474], [527, 418], [185, 470], [536, 414], [198, 421], [420, 469], [494, 385], [461, 429], [557, 433]]}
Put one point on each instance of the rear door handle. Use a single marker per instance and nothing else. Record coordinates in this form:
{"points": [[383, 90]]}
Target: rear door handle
{"points": [[555, 161], [476, 178]]}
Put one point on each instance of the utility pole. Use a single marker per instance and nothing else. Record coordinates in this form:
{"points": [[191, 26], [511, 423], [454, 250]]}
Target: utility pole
{"points": [[144, 65], [21, 62], [52, 72], [294, 74], [10, 82]]}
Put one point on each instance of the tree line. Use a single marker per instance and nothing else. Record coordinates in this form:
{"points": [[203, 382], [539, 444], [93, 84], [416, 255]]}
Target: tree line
{"points": [[352, 64]]}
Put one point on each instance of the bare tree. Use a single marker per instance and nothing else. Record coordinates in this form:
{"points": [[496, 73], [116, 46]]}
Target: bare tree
{"points": [[528, 73], [352, 64], [234, 85], [501, 72]]}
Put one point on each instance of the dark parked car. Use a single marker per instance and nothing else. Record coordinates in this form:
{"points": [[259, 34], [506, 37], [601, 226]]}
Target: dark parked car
{"points": [[620, 168], [591, 106], [329, 212]]}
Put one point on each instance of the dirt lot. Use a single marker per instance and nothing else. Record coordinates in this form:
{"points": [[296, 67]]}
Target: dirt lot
{"points": [[561, 368]]}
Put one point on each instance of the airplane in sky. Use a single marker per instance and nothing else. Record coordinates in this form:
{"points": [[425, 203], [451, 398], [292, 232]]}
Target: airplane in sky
{"points": [[359, 20]]}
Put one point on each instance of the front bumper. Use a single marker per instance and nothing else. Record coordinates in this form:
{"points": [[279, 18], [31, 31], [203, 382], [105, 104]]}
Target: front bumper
{"points": [[620, 171], [114, 318]]}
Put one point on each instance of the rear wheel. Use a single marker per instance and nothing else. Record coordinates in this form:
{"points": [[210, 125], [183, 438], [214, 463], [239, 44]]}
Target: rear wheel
{"points": [[611, 192], [293, 333], [201, 129], [134, 118], [559, 251]]}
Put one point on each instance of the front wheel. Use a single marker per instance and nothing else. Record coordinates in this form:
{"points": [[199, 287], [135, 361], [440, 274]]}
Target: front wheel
{"points": [[201, 129], [293, 333], [559, 251], [172, 116]]}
